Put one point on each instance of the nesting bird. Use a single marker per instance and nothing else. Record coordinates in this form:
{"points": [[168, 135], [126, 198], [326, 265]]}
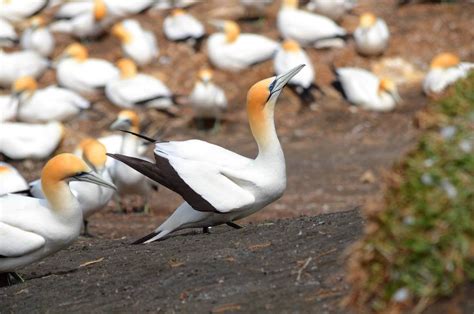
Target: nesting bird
{"points": [[20, 10], [207, 99], [8, 107], [78, 72], [8, 36], [21, 63], [31, 228], [308, 29], [182, 26], [138, 44], [334, 9], [38, 37], [289, 55], [24, 140], [445, 69], [10, 179], [362, 88], [218, 185], [137, 90], [47, 104], [372, 35], [234, 51]]}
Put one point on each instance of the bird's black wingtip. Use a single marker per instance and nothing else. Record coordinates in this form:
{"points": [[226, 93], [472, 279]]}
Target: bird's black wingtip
{"points": [[145, 238], [149, 139]]}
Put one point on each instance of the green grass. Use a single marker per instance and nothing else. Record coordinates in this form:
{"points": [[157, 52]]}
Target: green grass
{"points": [[421, 244]]}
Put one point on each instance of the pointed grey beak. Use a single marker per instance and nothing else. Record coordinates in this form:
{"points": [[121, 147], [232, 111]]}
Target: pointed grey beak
{"points": [[396, 96], [120, 124], [281, 80], [91, 177], [219, 24]]}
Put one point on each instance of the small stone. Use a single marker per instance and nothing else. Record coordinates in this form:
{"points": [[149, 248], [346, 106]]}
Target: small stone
{"points": [[448, 132], [367, 177], [465, 146], [427, 179], [401, 295], [449, 188]]}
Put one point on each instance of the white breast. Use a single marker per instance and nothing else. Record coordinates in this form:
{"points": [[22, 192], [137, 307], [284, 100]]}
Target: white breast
{"points": [[372, 40], [207, 99], [182, 26], [8, 108], [287, 60], [40, 40], [7, 34], [143, 47]]}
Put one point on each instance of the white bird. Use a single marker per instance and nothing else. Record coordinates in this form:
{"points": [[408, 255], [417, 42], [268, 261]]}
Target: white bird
{"points": [[87, 76], [362, 88], [137, 90], [171, 4], [8, 107], [138, 44], [84, 20], [126, 8], [334, 9], [182, 26], [218, 185], [445, 69], [128, 180], [289, 55], [8, 36], [24, 140], [372, 35], [10, 179], [52, 103], [91, 197], [20, 63], [234, 51], [38, 37], [207, 99], [32, 229], [308, 29], [19, 10]]}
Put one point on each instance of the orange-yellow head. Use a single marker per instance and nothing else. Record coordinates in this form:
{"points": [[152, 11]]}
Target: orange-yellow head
{"points": [[37, 21], [290, 45], [126, 120], [4, 169], [127, 67], [76, 51], [290, 4], [178, 11], [367, 20], [94, 153], [230, 28], [100, 10], [388, 86], [445, 60], [205, 75], [25, 84], [119, 31]]}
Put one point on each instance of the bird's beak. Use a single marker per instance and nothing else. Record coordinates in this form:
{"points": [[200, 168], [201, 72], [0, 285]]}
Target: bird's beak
{"points": [[396, 96], [283, 79], [120, 124], [219, 24], [91, 177]]}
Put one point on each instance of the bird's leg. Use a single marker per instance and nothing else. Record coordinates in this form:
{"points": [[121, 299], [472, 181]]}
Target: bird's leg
{"points": [[234, 225], [146, 206], [86, 229], [118, 204], [205, 230]]}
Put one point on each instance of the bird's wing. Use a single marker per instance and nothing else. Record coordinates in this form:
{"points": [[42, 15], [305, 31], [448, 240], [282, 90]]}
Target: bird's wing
{"points": [[64, 96], [310, 26], [71, 9], [359, 85], [95, 72], [16, 242], [251, 48], [140, 89]]}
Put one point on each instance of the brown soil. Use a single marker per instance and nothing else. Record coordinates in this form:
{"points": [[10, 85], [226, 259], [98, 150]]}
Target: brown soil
{"points": [[335, 161]]}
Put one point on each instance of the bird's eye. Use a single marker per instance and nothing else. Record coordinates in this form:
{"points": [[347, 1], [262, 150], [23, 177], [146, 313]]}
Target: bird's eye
{"points": [[79, 174], [272, 85]]}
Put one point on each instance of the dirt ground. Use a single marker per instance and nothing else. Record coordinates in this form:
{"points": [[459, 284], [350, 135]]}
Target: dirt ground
{"points": [[328, 152]]}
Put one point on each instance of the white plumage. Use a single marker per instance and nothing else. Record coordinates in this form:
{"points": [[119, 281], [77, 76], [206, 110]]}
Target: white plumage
{"points": [[51, 103], [234, 51], [39, 39], [8, 107], [372, 37], [23, 140], [207, 99], [19, 10], [180, 25], [138, 44], [11, 180], [309, 29], [289, 55], [364, 89], [334, 9], [8, 36], [20, 63]]}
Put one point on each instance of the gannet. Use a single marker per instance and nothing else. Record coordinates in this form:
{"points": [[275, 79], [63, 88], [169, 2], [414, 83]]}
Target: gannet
{"points": [[207, 99], [8, 36], [137, 43], [308, 29], [84, 20], [31, 228], [218, 185], [91, 197], [334, 9], [182, 26], [128, 180], [137, 90], [8, 107], [20, 10], [126, 8], [234, 51], [84, 75], [47, 104], [372, 35], [20, 63], [445, 69], [289, 55], [24, 140], [38, 37], [362, 88], [171, 4], [10, 179]]}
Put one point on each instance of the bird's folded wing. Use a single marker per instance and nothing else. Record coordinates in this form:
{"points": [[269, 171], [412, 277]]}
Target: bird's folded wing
{"points": [[15, 242]]}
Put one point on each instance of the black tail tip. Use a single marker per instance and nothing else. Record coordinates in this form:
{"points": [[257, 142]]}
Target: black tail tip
{"points": [[145, 238]]}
